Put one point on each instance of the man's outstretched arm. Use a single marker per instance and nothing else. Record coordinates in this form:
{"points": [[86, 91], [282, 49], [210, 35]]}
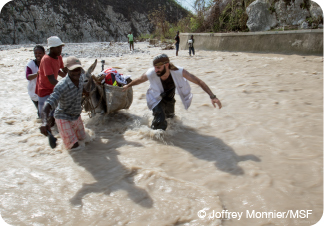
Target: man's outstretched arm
{"points": [[135, 82], [45, 118], [204, 86]]}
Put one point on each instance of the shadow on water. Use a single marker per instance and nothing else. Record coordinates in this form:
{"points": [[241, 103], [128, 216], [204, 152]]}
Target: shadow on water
{"points": [[209, 148], [100, 159]]}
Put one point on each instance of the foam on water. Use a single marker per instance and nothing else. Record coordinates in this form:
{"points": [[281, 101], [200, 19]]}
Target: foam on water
{"points": [[265, 145]]}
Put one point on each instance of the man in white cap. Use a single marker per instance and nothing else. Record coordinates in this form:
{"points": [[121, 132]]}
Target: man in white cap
{"points": [[164, 79], [66, 100], [49, 70]]}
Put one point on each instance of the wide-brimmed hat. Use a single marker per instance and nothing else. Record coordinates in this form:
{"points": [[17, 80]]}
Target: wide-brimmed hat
{"points": [[54, 41], [72, 63]]}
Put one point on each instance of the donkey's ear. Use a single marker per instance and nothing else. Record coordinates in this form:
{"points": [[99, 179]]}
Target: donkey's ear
{"points": [[92, 67]]}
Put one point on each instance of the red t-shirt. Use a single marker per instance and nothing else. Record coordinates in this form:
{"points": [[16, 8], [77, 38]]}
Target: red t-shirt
{"points": [[48, 66]]}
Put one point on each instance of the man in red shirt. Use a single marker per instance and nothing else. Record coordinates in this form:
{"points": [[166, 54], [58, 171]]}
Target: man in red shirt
{"points": [[49, 70]]}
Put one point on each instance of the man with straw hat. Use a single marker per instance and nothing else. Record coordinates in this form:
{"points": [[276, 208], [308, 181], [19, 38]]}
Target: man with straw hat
{"points": [[66, 100], [164, 79], [49, 70]]}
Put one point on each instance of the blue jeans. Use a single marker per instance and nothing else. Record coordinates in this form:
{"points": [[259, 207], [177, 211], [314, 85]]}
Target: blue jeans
{"points": [[36, 105], [191, 49], [177, 46], [41, 102]]}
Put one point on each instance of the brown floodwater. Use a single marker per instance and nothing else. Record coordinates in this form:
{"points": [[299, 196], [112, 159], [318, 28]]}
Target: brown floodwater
{"points": [[259, 156]]}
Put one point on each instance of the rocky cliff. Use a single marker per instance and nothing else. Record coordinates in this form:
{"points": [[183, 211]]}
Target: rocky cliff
{"points": [[266, 14], [33, 21]]}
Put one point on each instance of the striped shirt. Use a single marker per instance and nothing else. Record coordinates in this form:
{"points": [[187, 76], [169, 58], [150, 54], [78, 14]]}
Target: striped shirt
{"points": [[66, 99]]}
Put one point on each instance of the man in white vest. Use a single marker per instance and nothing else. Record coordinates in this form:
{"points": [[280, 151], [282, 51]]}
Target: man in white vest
{"points": [[165, 79]]}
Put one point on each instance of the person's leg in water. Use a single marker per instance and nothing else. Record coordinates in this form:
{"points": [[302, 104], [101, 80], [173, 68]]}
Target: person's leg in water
{"points": [[177, 48], [71, 132], [133, 45], [41, 103], [36, 105], [159, 121], [168, 107], [165, 109]]}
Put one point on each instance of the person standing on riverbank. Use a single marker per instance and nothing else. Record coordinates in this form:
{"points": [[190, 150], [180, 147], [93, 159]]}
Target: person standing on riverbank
{"points": [[177, 43], [130, 37], [191, 46]]}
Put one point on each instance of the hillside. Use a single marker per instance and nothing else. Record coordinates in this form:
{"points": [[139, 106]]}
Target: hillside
{"points": [[32, 21]]}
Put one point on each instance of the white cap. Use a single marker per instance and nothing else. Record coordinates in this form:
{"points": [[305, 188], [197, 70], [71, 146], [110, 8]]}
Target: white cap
{"points": [[54, 41]]}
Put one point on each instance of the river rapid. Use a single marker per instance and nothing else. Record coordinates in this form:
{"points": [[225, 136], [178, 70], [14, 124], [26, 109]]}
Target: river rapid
{"points": [[262, 152]]}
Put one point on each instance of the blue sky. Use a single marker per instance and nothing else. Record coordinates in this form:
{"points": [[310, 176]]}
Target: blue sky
{"points": [[187, 4]]}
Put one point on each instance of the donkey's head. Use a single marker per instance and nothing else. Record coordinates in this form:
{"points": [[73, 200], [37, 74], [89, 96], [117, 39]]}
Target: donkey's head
{"points": [[88, 81]]}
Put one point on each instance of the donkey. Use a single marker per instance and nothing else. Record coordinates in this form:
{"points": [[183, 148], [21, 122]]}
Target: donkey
{"points": [[96, 100]]}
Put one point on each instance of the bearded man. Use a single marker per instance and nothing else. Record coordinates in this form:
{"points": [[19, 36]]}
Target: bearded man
{"points": [[165, 78]]}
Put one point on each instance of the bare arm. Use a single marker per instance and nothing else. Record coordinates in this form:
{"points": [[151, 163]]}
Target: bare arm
{"points": [[135, 82], [203, 85], [63, 72], [52, 80], [45, 119], [32, 76]]}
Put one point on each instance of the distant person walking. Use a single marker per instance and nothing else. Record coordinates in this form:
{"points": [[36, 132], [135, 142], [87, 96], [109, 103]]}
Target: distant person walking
{"points": [[165, 78], [49, 70], [177, 43], [32, 72], [130, 41], [191, 45]]}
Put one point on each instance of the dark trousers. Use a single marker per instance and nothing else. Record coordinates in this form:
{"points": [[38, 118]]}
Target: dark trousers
{"points": [[164, 110], [36, 105], [191, 49]]}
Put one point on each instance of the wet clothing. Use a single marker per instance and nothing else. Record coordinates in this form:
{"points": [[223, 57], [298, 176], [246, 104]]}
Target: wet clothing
{"points": [[71, 131], [41, 103], [164, 110], [32, 68], [160, 96], [182, 87], [48, 66], [169, 88], [66, 99]]}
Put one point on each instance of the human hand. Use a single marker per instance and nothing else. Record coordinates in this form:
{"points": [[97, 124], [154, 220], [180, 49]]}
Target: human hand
{"points": [[125, 87], [216, 101], [44, 128]]}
